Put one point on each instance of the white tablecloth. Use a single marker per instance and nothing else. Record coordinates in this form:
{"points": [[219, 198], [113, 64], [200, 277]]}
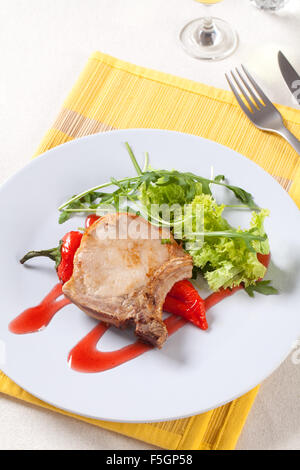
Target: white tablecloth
{"points": [[44, 45]]}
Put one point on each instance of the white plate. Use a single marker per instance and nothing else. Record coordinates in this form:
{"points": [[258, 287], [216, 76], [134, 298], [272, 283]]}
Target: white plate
{"points": [[195, 371]]}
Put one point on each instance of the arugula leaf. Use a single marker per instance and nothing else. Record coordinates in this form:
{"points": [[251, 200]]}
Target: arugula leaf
{"points": [[85, 204], [133, 159], [219, 178], [243, 196], [63, 217], [153, 187], [262, 287]]}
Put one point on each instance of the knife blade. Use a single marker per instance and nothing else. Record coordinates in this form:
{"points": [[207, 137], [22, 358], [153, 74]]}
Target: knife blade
{"points": [[291, 77]]}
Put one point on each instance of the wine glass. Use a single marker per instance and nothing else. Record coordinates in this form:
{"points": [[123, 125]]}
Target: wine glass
{"points": [[272, 5], [208, 38]]}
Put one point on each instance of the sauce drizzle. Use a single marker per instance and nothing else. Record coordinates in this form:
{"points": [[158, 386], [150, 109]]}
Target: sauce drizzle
{"points": [[37, 318], [85, 357]]}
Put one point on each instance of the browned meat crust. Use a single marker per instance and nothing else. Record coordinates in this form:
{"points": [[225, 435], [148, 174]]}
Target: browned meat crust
{"points": [[122, 278]]}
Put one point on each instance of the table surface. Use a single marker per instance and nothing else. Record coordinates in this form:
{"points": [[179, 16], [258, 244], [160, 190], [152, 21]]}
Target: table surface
{"points": [[44, 45]]}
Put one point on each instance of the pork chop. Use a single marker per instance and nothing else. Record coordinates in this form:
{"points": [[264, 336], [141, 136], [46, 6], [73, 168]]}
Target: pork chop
{"points": [[123, 270]]}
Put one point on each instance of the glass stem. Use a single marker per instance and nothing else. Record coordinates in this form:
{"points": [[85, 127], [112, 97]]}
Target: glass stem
{"points": [[208, 33], [208, 23]]}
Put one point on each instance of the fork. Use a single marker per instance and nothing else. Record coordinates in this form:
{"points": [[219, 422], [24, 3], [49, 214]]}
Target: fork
{"points": [[260, 109]]}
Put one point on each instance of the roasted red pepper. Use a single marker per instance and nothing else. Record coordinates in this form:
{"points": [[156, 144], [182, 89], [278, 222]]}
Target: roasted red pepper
{"points": [[63, 255], [184, 300], [70, 244], [264, 259], [91, 219]]}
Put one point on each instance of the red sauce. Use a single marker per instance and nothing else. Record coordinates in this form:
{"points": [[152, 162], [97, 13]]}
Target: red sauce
{"points": [[216, 297], [85, 357], [36, 318]]}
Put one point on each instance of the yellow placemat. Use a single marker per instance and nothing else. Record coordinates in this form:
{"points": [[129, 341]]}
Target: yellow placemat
{"points": [[112, 94]]}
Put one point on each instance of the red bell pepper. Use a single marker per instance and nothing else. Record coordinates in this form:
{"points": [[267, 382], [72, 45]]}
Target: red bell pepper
{"points": [[63, 255], [184, 300], [91, 219]]}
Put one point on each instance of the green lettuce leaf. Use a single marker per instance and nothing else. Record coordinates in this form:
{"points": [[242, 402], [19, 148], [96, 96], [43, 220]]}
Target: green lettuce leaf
{"points": [[228, 262], [171, 193], [257, 227]]}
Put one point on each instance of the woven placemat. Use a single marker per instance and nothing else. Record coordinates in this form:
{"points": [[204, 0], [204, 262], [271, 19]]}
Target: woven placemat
{"points": [[112, 94]]}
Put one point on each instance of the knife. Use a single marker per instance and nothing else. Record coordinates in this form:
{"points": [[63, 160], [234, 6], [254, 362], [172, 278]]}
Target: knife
{"points": [[290, 76]]}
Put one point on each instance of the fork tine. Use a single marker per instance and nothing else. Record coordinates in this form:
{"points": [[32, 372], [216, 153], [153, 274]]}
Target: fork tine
{"points": [[239, 100], [254, 97], [256, 87], [243, 91]]}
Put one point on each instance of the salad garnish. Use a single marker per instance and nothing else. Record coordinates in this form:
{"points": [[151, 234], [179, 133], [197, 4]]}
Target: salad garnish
{"points": [[226, 257]]}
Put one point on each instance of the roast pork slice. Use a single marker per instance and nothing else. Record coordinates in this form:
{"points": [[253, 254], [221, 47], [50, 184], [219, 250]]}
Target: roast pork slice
{"points": [[123, 270]]}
